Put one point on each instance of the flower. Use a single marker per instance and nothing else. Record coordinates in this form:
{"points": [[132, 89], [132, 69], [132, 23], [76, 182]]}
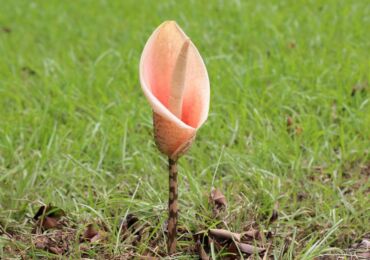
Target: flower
{"points": [[175, 81]]}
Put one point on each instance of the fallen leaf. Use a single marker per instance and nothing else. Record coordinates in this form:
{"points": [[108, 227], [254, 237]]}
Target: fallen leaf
{"points": [[131, 228], [57, 241], [289, 121], [41, 242], [56, 250], [298, 130], [364, 255], [48, 217], [289, 124], [365, 170], [302, 196], [90, 232], [292, 127], [218, 198], [365, 243], [49, 222], [225, 234], [50, 211], [362, 249], [250, 249], [129, 221], [100, 236], [95, 238], [275, 213], [252, 233], [41, 211], [202, 253], [84, 247]]}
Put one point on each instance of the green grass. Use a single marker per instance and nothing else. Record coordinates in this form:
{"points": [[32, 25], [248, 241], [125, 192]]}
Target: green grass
{"points": [[76, 130]]}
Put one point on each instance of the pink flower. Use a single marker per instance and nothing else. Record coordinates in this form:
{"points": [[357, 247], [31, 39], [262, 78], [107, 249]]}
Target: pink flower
{"points": [[175, 81]]}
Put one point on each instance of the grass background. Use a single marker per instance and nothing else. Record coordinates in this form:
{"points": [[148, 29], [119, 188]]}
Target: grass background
{"points": [[76, 130]]}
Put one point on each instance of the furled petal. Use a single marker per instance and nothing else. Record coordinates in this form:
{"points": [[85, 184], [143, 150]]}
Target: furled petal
{"points": [[175, 81]]}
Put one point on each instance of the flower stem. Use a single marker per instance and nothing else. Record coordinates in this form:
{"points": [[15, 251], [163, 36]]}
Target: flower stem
{"points": [[172, 206]]}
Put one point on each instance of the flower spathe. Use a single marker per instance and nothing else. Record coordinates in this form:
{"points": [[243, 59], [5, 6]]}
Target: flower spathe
{"points": [[175, 81]]}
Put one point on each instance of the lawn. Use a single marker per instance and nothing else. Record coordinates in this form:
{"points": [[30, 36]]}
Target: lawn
{"points": [[288, 134]]}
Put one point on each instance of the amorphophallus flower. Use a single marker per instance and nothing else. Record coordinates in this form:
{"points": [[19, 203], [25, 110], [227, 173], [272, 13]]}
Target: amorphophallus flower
{"points": [[175, 81]]}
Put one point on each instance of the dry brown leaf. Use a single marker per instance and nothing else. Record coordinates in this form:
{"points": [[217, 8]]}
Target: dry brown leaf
{"points": [[41, 242], [127, 223], [292, 127], [84, 247], [202, 253], [275, 213], [298, 130], [365, 170], [48, 217], [130, 220], [56, 242], [250, 249], [225, 234], [56, 250], [90, 232], [365, 243], [252, 233], [363, 255], [49, 222], [218, 198], [362, 249], [100, 236], [289, 122]]}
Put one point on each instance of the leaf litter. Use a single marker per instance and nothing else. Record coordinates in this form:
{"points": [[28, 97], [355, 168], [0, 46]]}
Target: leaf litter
{"points": [[218, 201], [48, 217], [57, 234]]}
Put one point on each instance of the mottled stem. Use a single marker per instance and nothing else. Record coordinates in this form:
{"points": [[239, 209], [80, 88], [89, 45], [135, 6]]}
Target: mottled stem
{"points": [[172, 206]]}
